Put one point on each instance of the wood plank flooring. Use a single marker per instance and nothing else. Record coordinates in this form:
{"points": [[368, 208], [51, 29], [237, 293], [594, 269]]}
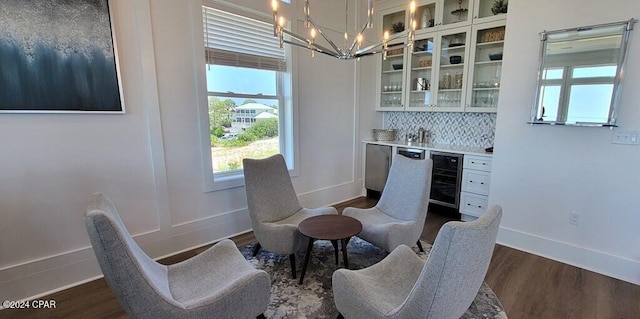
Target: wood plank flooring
{"points": [[529, 286]]}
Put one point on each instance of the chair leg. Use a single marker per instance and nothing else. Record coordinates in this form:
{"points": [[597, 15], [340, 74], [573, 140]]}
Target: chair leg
{"points": [[420, 246], [261, 316], [292, 260], [256, 249], [340, 316]]}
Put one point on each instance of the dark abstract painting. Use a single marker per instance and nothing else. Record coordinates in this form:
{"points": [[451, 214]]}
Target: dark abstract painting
{"points": [[57, 56]]}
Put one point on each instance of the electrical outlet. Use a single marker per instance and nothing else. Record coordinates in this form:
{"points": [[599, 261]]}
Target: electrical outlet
{"points": [[574, 218], [625, 137]]}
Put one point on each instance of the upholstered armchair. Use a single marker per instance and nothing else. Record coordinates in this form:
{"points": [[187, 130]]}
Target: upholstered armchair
{"points": [[404, 286], [399, 216], [274, 208], [217, 283]]}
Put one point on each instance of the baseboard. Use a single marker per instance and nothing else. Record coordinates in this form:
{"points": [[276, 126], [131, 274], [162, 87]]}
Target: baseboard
{"points": [[38, 278], [597, 261], [48, 275]]}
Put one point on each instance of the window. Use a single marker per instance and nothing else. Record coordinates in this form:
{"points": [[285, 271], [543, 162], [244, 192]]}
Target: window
{"points": [[248, 89], [576, 94]]}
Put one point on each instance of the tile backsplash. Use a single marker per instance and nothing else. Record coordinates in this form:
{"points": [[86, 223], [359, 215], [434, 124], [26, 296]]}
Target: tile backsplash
{"points": [[464, 129]]}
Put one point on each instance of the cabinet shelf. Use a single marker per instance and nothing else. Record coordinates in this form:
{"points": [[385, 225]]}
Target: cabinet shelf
{"points": [[422, 68], [459, 65], [393, 71], [492, 43], [391, 56], [489, 62], [460, 47], [449, 90], [487, 89], [422, 53], [420, 91], [391, 92]]}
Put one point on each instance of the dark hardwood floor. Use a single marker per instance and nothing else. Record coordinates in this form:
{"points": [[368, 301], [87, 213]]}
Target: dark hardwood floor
{"points": [[529, 286]]}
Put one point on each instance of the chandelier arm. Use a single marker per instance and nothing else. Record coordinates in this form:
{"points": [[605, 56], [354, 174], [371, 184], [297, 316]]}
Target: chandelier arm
{"points": [[373, 46], [295, 36], [355, 40], [322, 49], [370, 50], [315, 49], [307, 44], [333, 45]]}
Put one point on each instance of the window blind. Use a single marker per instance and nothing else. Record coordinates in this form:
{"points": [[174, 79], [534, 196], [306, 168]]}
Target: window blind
{"points": [[235, 40]]}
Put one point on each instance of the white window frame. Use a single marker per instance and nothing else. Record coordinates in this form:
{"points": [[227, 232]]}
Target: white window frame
{"points": [[287, 113]]}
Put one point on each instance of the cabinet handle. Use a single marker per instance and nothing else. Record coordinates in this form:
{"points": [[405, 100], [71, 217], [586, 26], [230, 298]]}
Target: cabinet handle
{"points": [[470, 181], [472, 162], [466, 105], [481, 183], [468, 204], [479, 206]]}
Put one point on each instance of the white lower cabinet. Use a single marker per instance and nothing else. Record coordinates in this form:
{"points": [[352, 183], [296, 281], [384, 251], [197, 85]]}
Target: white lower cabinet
{"points": [[476, 178]]}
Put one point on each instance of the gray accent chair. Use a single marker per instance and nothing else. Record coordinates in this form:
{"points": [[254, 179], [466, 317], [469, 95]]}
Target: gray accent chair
{"points": [[399, 216], [217, 283], [404, 286], [274, 208]]}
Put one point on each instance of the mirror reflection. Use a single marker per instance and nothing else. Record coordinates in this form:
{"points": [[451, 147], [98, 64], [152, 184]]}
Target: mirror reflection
{"points": [[580, 74]]}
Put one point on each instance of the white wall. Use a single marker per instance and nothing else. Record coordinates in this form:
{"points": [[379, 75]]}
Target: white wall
{"points": [[149, 161], [541, 173]]}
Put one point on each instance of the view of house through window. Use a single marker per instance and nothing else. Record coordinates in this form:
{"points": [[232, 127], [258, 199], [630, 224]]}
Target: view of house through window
{"points": [[241, 124], [245, 73]]}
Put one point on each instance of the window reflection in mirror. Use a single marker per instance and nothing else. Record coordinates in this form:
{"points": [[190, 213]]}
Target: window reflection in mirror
{"points": [[580, 75]]}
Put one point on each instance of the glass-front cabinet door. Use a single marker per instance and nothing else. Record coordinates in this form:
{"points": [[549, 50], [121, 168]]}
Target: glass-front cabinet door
{"points": [[391, 75], [455, 13], [489, 10], [451, 68], [486, 54], [421, 74], [392, 83], [426, 13]]}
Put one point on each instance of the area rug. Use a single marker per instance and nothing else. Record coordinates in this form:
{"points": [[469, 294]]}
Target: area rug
{"points": [[314, 298]]}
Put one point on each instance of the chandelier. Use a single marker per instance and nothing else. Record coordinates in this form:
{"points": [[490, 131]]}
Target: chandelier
{"points": [[352, 49]]}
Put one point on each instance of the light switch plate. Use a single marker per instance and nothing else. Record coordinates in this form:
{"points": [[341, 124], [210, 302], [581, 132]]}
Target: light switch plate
{"points": [[625, 137]]}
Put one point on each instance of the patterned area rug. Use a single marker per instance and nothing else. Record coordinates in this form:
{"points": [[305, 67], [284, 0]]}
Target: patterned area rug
{"points": [[314, 298]]}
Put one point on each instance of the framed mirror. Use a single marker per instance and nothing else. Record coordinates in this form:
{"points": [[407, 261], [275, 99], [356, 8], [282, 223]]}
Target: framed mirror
{"points": [[580, 75]]}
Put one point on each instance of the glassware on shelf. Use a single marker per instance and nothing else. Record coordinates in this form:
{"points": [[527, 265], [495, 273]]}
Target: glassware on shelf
{"points": [[458, 81], [446, 81]]}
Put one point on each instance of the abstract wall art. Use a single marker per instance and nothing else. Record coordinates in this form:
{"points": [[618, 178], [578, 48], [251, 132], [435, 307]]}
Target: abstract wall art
{"points": [[58, 56]]}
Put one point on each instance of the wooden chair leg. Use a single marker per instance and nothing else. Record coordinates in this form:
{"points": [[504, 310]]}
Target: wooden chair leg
{"points": [[420, 246], [292, 260], [261, 316], [256, 249]]}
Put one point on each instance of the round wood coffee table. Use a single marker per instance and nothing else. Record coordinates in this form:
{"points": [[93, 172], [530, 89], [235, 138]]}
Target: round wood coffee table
{"points": [[329, 227]]}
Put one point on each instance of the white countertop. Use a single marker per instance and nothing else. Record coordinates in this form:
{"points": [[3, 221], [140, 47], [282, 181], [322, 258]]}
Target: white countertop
{"points": [[434, 147]]}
